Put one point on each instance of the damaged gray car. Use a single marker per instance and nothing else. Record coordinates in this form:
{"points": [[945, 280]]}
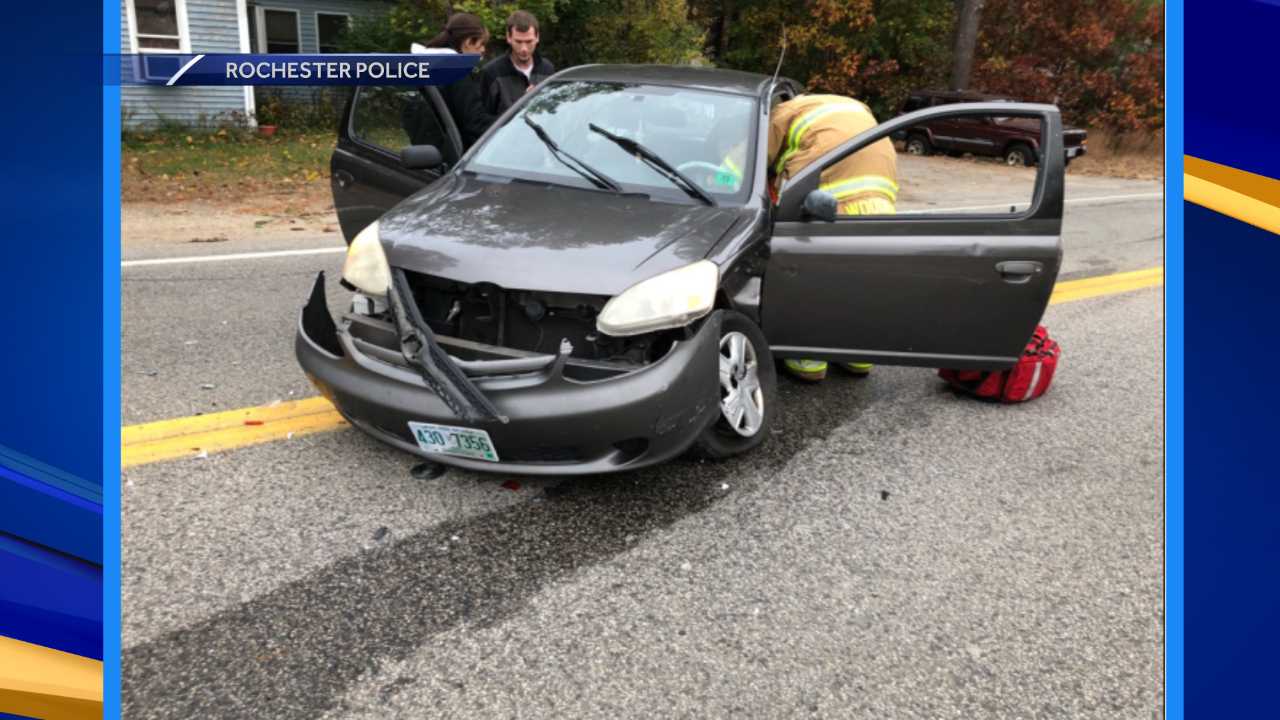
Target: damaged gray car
{"points": [[587, 290]]}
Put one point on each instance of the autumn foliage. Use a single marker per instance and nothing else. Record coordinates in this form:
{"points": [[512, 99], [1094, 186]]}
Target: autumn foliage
{"points": [[1101, 61]]}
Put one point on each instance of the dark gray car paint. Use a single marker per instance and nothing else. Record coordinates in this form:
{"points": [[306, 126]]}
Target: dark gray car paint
{"points": [[685, 76], [527, 236], [367, 180], [936, 290], [899, 290], [629, 421]]}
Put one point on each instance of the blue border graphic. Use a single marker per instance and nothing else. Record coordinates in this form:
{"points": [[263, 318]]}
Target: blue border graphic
{"points": [[1173, 298], [111, 371]]}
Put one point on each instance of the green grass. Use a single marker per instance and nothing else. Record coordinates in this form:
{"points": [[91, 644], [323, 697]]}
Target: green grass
{"points": [[227, 159]]}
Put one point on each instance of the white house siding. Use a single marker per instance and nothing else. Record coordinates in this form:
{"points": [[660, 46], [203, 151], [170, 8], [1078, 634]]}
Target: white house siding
{"points": [[213, 27]]}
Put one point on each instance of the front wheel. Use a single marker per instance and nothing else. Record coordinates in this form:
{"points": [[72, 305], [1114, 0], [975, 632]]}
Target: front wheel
{"points": [[1019, 155], [748, 391], [918, 144]]}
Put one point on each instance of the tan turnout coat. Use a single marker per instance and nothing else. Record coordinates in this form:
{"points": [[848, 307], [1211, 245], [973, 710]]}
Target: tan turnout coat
{"points": [[805, 128]]}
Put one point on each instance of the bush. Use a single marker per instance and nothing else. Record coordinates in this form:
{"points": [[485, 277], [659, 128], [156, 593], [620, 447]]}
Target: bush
{"points": [[304, 108], [407, 22]]}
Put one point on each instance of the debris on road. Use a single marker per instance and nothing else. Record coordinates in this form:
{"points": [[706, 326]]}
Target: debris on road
{"points": [[380, 533], [884, 494], [427, 470], [555, 491], [212, 239], [206, 386], [512, 485]]}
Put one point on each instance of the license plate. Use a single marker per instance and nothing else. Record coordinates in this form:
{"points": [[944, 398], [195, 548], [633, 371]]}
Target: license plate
{"points": [[450, 440]]}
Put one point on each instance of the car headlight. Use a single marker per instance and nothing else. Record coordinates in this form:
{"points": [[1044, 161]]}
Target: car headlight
{"points": [[670, 300], [366, 266]]}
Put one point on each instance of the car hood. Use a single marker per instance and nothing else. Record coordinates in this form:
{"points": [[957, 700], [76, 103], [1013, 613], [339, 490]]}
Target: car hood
{"points": [[528, 236]]}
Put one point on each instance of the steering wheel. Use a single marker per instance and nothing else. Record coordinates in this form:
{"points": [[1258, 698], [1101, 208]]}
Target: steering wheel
{"points": [[698, 165], [711, 170]]}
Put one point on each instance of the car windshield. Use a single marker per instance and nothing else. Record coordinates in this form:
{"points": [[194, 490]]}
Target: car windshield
{"points": [[706, 136]]}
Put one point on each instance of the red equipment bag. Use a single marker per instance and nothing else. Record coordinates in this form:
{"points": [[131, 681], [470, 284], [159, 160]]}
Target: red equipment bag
{"points": [[1026, 380]]}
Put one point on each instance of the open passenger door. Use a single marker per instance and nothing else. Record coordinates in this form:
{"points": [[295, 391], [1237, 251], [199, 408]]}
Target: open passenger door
{"points": [[365, 170], [934, 290]]}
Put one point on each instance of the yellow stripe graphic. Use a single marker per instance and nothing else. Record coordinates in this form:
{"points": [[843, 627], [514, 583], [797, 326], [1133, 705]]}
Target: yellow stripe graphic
{"points": [[40, 682], [1247, 197], [191, 436]]}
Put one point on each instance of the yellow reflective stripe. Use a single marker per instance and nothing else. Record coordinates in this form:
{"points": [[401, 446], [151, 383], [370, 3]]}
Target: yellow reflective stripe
{"points": [[867, 206], [733, 168], [800, 125], [865, 183]]}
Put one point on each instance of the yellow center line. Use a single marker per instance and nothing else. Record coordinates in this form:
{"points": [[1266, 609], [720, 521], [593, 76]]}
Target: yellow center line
{"points": [[1106, 285], [194, 436]]}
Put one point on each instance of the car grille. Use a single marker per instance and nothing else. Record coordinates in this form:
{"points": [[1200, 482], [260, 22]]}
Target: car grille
{"points": [[529, 321]]}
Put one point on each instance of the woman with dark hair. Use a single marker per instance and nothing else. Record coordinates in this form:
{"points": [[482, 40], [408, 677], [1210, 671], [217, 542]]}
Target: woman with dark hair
{"points": [[463, 33]]}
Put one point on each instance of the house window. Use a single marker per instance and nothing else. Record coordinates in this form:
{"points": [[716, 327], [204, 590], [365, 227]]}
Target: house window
{"points": [[278, 31], [158, 25], [329, 30]]}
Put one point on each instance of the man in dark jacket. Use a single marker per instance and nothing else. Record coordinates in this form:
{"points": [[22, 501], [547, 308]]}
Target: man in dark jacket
{"points": [[506, 79]]}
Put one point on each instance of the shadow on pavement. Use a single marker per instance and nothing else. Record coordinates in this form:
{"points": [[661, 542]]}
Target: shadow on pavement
{"points": [[294, 651]]}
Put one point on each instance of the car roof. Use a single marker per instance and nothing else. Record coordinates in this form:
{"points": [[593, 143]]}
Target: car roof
{"points": [[731, 81]]}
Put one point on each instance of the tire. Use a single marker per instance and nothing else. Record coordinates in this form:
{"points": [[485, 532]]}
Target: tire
{"points": [[724, 438], [1019, 155], [918, 144]]}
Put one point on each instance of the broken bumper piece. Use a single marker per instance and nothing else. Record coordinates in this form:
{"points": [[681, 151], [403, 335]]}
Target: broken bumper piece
{"points": [[562, 416]]}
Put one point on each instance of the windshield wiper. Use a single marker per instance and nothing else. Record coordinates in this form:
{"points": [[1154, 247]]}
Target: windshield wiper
{"points": [[663, 167], [596, 177]]}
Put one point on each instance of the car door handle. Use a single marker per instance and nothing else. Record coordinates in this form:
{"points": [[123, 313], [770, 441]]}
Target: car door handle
{"points": [[1018, 271], [343, 178]]}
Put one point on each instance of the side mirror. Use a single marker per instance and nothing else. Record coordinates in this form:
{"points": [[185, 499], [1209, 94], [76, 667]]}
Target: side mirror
{"points": [[822, 205], [421, 157]]}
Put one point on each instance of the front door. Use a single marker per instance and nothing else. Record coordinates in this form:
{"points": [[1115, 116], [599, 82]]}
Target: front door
{"points": [[365, 169], [935, 290]]}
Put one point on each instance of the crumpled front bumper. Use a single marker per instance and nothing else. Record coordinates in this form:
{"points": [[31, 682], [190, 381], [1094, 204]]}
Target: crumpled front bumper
{"points": [[555, 425]]}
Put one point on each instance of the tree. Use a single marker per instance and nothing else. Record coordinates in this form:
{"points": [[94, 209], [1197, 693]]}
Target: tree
{"points": [[644, 31], [968, 16], [877, 51], [1101, 61]]}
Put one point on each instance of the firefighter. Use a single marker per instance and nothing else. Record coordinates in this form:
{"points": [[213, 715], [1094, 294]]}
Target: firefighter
{"points": [[805, 128]]}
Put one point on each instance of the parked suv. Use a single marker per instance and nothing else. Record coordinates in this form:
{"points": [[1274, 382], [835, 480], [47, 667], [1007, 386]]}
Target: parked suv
{"points": [[1016, 140]]}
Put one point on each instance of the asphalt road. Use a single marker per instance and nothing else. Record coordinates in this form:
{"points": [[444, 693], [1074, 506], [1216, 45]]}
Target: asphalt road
{"points": [[891, 551]]}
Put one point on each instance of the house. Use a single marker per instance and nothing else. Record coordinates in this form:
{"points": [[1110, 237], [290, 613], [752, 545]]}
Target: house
{"points": [[223, 26]]}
